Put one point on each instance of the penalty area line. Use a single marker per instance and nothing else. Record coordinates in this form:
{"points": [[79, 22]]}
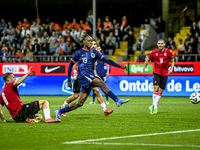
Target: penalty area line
{"points": [[130, 136]]}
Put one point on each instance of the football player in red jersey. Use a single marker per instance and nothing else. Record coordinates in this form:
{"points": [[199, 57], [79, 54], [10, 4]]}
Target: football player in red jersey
{"points": [[161, 57], [21, 112]]}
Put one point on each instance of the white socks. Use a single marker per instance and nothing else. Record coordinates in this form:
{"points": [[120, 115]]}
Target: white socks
{"points": [[46, 112], [156, 98], [103, 106]]}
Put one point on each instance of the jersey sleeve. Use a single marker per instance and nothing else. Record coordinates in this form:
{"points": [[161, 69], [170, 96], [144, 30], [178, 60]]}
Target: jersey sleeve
{"points": [[74, 59], [150, 55], [1, 100], [171, 56], [99, 55]]}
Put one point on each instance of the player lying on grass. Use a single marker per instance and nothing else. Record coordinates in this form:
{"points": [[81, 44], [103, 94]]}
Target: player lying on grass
{"points": [[77, 86], [161, 58], [85, 59], [21, 112]]}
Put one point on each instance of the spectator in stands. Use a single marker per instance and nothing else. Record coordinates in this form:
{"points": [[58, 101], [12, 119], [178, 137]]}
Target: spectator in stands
{"points": [[131, 40], [196, 38], [35, 48], [4, 46], [62, 45], [99, 31], [194, 44], [51, 39], [34, 28], [115, 22], [169, 43], [41, 31], [87, 27], [19, 56], [57, 28], [44, 47], [10, 35], [69, 38], [103, 43], [60, 39], [194, 29], [187, 41], [45, 36], [29, 56], [74, 48], [53, 47], [68, 48], [49, 29], [73, 33], [143, 36], [81, 24], [26, 24], [117, 34], [124, 26], [80, 34], [64, 32], [11, 54], [107, 26], [24, 32], [160, 28], [3, 26], [141, 57], [181, 49], [38, 39], [175, 53], [99, 23], [28, 38], [189, 51], [66, 25], [111, 42], [74, 24], [4, 55], [19, 26]]}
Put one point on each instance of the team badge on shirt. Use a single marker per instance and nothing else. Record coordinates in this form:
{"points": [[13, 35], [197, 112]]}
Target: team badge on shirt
{"points": [[156, 54], [92, 55], [165, 54]]}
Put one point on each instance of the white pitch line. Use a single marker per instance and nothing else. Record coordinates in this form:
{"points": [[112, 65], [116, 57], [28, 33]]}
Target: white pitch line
{"points": [[142, 144], [130, 136]]}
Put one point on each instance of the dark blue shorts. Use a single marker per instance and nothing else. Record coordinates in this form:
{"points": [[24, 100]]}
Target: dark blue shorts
{"points": [[86, 83]]}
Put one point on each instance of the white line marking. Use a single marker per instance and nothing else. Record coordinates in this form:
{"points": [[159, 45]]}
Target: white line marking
{"points": [[130, 136], [143, 144]]}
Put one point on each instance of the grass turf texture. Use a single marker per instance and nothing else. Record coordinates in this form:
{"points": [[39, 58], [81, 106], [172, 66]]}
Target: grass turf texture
{"points": [[89, 122]]}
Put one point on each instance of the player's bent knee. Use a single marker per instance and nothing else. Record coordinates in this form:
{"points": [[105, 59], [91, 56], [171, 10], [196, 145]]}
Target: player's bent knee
{"points": [[78, 104]]}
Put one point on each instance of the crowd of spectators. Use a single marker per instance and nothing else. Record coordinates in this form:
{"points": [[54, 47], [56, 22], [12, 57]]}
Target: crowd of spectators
{"points": [[23, 41], [191, 45]]}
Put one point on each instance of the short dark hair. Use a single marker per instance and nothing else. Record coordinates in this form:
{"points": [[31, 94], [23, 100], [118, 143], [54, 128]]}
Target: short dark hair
{"points": [[85, 36], [6, 76], [161, 40]]}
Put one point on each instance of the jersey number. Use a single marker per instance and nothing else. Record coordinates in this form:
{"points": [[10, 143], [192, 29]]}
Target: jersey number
{"points": [[84, 60], [161, 60], [4, 99]]}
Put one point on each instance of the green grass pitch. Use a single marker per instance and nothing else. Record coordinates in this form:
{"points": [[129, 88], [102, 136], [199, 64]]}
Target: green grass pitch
{"points": [[128, 127]]}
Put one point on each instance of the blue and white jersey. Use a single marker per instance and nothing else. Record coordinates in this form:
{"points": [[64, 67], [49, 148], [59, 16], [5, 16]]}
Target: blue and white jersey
{"points": [[85, 60]]}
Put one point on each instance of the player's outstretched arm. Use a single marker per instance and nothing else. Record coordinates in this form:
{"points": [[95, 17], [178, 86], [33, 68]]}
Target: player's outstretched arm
{"points": [[110, 62], [20, 80], [1, 114], [69, 73], [107, 66], [146, 63], [172, 67]]}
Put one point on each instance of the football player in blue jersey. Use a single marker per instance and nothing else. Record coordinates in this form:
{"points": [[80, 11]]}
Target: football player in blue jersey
{"points": [[100, 71], [76, 89], [85, 59]]}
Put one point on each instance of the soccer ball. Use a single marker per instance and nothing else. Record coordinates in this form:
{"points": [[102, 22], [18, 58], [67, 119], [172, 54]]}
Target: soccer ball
{"points": [[195, 98]]}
